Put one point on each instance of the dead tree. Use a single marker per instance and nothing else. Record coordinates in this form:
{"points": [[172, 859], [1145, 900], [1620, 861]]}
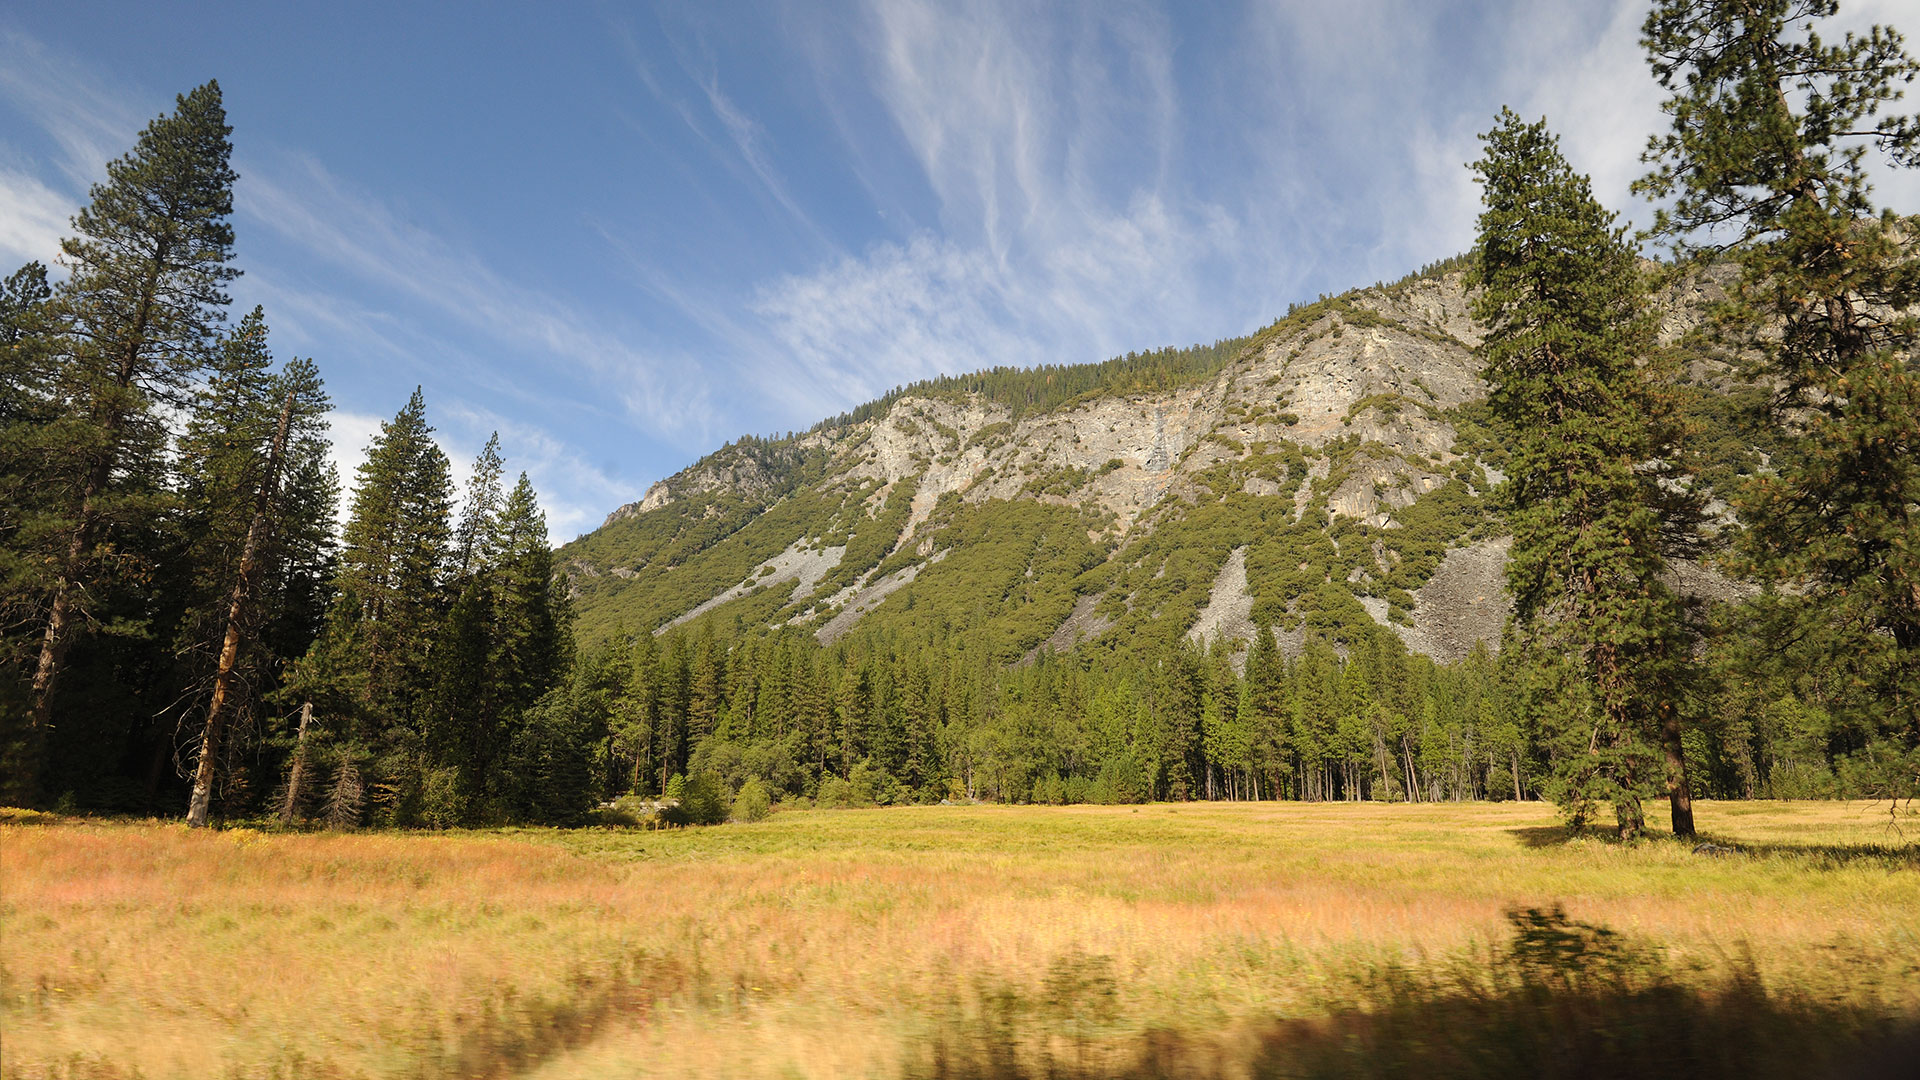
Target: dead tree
{"points": [[299, 773], [238, 610]]}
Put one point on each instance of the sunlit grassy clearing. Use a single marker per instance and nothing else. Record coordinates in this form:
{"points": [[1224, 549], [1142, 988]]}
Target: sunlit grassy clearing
{"points": [[837, 943]]}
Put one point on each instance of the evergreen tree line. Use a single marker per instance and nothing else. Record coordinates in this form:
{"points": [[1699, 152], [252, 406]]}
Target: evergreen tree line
{"points": [[182, 629], [881, 719], [1040, 389]]}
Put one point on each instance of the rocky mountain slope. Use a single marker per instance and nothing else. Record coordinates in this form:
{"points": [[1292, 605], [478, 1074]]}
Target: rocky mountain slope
{"points": [[1327, 475]]}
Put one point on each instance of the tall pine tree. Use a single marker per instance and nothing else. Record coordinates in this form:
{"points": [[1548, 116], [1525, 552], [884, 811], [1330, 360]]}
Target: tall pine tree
{"points": [[1567, 356], [1766, 162], [253, 436], [138, 313], [34, 428], [370, 674]]}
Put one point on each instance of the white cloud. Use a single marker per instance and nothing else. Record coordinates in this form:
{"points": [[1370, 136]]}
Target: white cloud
{"points": [[90, 121], [1060, 240], [33, 218], [1592, 84]]}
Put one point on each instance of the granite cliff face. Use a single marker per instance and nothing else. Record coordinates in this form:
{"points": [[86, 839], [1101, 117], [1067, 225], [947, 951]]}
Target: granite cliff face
{"points": [[1331, 473]]}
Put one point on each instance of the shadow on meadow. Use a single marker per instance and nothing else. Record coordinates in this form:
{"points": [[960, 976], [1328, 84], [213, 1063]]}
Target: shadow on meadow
{"points": [[1901, 852], [1561, 999], [508, 1035]]}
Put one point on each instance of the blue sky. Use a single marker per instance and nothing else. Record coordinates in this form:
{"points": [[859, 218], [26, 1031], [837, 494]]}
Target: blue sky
{"points": [[623, 234]]}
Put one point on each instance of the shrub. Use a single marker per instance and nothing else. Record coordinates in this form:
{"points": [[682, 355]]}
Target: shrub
{"points": [[753, 803], [626, 811], [703, 801], [440, 803], [834, 794]]}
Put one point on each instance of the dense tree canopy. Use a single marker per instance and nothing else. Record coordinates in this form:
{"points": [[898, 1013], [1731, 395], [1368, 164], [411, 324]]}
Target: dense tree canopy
{"points": [[1765, 163]]}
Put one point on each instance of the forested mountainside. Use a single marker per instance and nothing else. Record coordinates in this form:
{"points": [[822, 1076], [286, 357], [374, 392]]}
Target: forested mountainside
{"points": [[1326, 477], [1267, 568]]}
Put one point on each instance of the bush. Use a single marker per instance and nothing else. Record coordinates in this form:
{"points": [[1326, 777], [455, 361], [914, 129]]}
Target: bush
{"points": [[440, 804], [703, 801], [626, 811], [836, 794], [753, 803]]}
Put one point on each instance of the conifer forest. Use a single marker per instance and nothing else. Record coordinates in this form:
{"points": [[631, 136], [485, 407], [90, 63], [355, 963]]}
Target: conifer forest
{"points": [[186, 630]]}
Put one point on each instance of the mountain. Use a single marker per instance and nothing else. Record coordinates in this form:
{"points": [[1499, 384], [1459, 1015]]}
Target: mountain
{"points": [[1327, 476]]}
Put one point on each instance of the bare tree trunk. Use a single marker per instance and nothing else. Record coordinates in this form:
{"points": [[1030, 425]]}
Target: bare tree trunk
{"points": [[1413, 776], [60, 614], [299, 773], [243, 584], [53, 643]]}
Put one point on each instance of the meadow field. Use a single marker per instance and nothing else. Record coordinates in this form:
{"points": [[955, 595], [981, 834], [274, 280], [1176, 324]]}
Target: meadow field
{"points": [[1223, 939]]}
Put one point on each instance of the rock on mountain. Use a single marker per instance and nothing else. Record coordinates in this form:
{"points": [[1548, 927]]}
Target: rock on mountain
{"points": [[1327, 475]]}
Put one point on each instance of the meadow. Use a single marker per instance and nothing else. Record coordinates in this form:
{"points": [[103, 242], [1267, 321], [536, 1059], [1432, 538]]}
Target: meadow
{"points": [[1222, 939]]}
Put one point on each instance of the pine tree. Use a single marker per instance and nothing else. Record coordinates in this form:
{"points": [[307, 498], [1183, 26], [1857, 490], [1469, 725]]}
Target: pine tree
{"points": [[852, 700], [34, 429], [464, 725], [706, 690], [478, 535], [636, 715], [370, 672], [1269, 709], [138, 313], [531, 661], [250, 430], [1766, 162], [534, 650], [1567, 357]]}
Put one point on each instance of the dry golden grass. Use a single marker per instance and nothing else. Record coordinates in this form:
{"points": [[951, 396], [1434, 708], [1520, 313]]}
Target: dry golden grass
{"points": [[843, 943]]}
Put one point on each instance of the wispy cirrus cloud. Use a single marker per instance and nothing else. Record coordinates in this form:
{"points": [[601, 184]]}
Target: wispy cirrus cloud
{"points": [[87, 125], [33, 218], [578, 506], [90, 120], [750, 224], [309, 206], [1045, 252]]}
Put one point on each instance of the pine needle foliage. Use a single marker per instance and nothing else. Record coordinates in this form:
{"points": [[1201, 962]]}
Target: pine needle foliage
{"points": [[1563, 297], [1765, 163], [136, 320]]}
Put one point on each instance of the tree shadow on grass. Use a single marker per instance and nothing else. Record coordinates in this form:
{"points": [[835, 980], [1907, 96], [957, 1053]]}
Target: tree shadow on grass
{"points": [[1834, 856], [1561, 1000], [1541, 836], [1897, 854]]}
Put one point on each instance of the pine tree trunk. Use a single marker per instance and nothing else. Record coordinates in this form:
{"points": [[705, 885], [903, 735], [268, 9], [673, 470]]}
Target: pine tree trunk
{"points": [[60, 614], [223, 679], [53, 644], [299, 774], [1413, 775], [1679, 795]]}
